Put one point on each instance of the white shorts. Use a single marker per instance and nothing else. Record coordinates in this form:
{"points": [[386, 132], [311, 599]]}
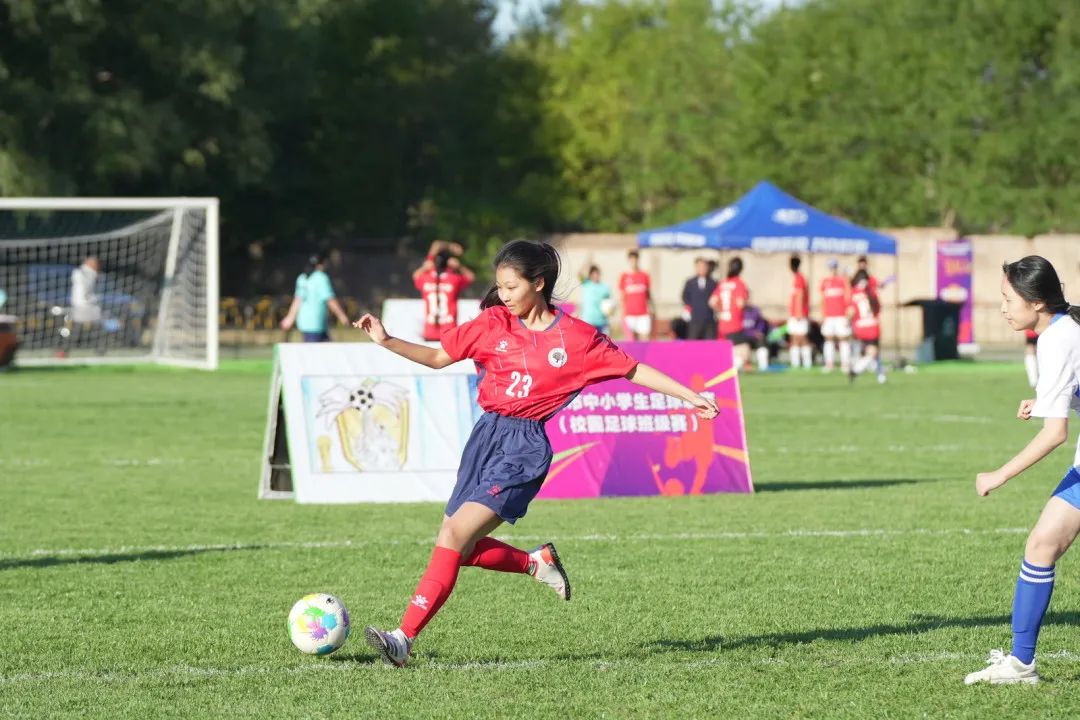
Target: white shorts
{"points": [[638, 325], [836, 327], [798, 326]]}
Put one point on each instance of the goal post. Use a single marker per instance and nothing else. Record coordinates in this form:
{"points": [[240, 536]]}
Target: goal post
{"points": [[153, 296]]}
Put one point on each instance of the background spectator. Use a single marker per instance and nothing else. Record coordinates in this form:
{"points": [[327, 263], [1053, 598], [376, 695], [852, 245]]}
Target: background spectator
{"points": [[695, 296], [634, 286], [313, 297], [595, 300]]}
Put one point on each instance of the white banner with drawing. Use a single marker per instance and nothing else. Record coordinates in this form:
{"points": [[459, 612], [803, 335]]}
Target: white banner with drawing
{"points": [[365, 425]]}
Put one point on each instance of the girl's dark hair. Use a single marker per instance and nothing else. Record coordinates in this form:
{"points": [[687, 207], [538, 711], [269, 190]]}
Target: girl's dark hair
{"points": [[864, 277], [313, 261], [593, 269], [1034, 279], [734, 268], [442, 260], [532, 261], [794, 263]]}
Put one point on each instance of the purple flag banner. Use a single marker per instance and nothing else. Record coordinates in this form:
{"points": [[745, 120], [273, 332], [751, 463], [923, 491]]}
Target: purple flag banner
{"points": [[617, 438], [954, 262]]}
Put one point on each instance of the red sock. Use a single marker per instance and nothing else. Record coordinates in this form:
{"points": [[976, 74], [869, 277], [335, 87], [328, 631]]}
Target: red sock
{"points": [[492, 554], [434, 588]]}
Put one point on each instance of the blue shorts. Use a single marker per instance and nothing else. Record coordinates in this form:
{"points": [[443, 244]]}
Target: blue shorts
{"points": [[503, 467], [316, 336], [1069, 488]]}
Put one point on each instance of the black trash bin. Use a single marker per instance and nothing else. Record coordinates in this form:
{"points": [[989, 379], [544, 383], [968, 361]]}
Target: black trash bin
{"points": [[941, 323]]}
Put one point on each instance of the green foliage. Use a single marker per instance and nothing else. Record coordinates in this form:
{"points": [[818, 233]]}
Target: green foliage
{"points": [[351, 119], [141, 577]]}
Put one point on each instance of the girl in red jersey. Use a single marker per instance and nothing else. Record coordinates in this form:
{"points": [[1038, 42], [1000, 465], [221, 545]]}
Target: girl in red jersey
{"points": [[440, 281], [863, 310], [532, 359]]}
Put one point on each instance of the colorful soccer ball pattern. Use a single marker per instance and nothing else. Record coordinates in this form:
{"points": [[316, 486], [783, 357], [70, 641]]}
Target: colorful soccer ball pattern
{"points": [[318, 624]]}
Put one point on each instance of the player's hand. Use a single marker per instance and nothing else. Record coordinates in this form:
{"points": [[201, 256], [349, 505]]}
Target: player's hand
{"points": [[985, 482], [373, 327], [287, 323], [1024, 412], [706, 408], [455, 248]]}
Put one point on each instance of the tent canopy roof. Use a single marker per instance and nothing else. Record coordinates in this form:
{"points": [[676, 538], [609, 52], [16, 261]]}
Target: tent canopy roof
{"points": [[767, 219]]}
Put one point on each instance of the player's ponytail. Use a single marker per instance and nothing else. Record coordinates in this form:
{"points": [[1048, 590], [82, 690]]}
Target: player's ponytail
{"points": [[532, 261], [1035, 280]]}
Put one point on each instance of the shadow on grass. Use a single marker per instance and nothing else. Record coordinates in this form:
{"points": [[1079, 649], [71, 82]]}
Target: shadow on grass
{"points": [[356, 658], [45, 561], [833, 484], [918, 624]]}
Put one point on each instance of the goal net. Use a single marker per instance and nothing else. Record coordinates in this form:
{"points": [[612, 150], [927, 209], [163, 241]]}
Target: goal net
{"points": [[104, 280]]}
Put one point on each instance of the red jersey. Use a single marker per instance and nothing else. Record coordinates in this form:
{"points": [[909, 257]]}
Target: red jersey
{"points": [[834, 291], [799, 306], [865, 323], [635, 288], [733, 296], [440, 293], [529, 373]]}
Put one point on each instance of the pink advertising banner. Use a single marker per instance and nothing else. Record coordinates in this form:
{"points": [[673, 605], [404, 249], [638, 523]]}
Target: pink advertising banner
{"points": [[617, 438], [954, 263]]}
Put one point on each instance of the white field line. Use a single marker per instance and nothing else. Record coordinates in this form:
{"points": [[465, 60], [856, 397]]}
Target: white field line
{"points": [[597, 537], [910, 417], [323, 666]]}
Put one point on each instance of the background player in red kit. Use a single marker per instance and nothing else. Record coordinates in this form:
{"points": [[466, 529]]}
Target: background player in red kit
{"points": [[1031, 367], [634, 285], [440, 281], [834, 325], [533, 359], [864, 310], [798, 324], [729, 300]]}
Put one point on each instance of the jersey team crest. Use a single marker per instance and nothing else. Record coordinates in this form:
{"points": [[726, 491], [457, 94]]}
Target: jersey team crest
{"points": [[557, 357]]}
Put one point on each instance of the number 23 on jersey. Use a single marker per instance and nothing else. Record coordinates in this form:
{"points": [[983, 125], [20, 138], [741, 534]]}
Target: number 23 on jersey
{"points": [[520, 384]]}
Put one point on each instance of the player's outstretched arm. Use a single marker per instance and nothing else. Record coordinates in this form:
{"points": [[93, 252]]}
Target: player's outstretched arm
{"points": [[433, 357], [650, 377], [1054, 432]]}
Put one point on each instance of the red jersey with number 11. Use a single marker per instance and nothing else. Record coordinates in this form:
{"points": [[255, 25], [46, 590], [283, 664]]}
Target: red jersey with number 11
{"points": [[534, 373], [440, 293]]}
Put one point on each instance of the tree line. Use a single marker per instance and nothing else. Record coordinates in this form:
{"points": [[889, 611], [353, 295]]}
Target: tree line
{"points": [[339, 121]]}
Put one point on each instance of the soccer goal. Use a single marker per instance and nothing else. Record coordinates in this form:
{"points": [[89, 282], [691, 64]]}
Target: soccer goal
{"points": [[111, 280]]}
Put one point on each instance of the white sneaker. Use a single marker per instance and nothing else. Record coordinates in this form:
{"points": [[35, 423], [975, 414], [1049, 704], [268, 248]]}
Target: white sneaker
{"points": [[393, 647], [545, 566], [1004, 669]]}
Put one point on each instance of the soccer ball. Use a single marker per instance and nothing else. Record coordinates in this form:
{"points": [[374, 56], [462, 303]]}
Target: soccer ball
{"points": [[318, 624]]}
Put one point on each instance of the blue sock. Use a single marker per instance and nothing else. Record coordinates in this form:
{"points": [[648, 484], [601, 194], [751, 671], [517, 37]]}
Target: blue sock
{"points": [[1033, 590]]}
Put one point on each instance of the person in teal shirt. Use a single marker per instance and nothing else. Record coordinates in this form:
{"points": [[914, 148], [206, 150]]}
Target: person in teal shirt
{"points": [[314, 295], [595, 299]]}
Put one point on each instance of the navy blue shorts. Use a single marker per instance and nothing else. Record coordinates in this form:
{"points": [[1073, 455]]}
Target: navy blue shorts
{"points": [[316, 336], [1069, 488], [503, 466]]}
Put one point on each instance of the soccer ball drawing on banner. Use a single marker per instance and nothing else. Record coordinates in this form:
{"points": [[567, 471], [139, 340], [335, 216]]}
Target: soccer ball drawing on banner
{"points": [[372, 420], [318, 624]]}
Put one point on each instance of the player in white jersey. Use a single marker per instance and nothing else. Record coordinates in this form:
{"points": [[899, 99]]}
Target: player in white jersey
{"points": [[1032, 299]]}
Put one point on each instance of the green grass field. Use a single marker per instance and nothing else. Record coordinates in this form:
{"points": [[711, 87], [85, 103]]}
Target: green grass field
{"points": [[141, 577]]}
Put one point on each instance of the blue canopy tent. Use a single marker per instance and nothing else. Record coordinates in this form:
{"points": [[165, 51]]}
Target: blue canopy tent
{"points": [[767, 219]]}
